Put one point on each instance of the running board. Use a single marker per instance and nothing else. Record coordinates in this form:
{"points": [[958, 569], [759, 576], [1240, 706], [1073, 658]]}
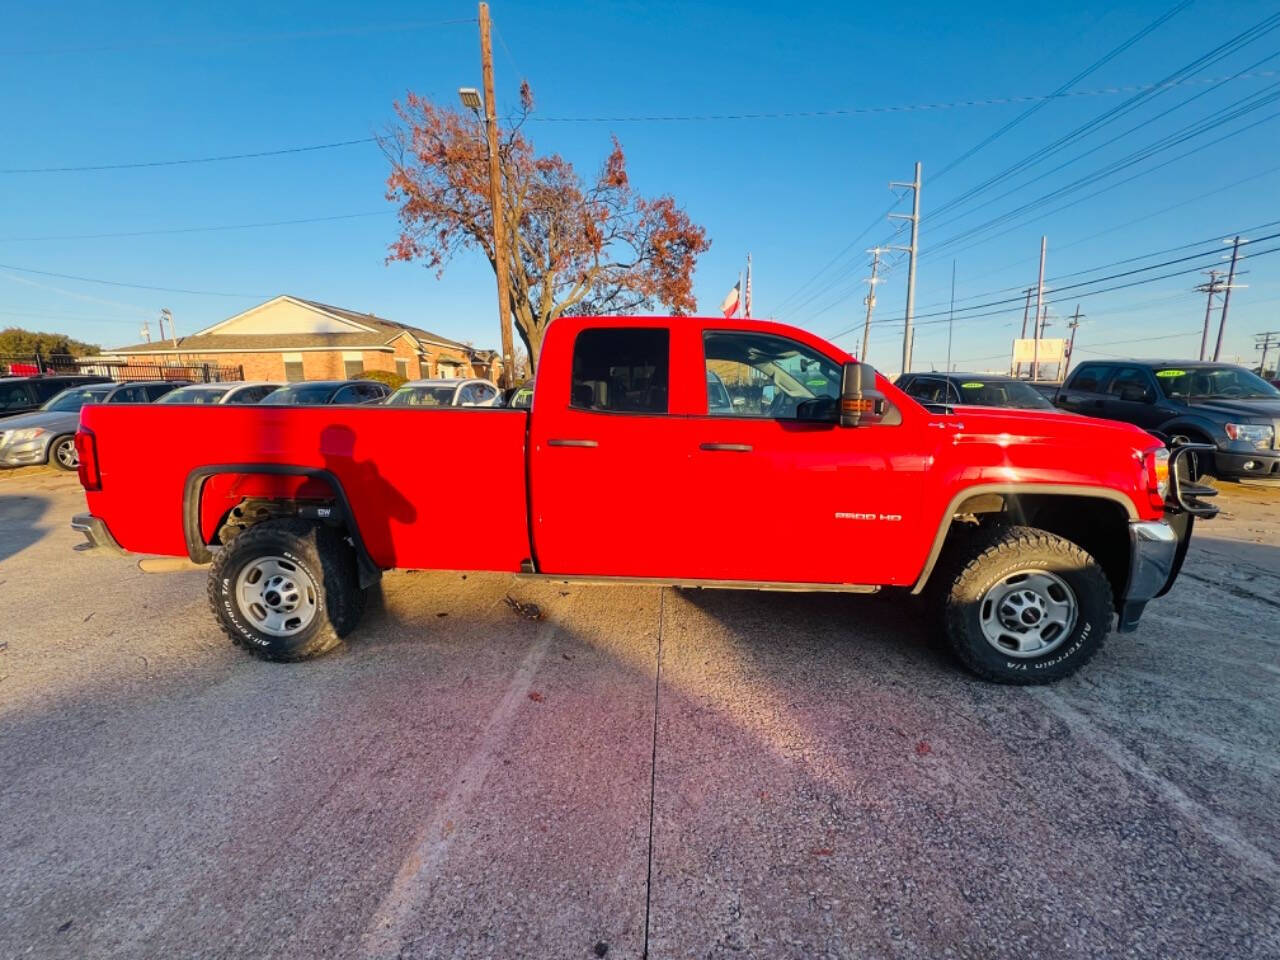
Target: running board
{"points": [[769, 585]]}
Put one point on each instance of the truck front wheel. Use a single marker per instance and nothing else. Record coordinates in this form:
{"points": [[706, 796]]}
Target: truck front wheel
{"points": [[286, 590], [1024, 606]]}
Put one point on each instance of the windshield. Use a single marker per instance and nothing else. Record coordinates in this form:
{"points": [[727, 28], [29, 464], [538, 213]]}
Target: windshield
{"points": [[68, 401], [1000, 393], [1216, 382], [304, 394], [194, 395], [422, 397]]}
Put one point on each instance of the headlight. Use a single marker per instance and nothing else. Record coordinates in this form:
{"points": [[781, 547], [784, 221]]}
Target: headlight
{"points": [[1258, 434], [30, 433]]}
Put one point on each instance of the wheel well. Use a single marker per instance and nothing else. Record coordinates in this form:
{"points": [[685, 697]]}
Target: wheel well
{"points": [[1096, 524], [250, 511]]}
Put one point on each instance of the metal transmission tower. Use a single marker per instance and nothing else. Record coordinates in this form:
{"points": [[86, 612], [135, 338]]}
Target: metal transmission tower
{"points": [[870, 301], [1265, 341], [1226, 297], [1212, 287], [907, 339]]}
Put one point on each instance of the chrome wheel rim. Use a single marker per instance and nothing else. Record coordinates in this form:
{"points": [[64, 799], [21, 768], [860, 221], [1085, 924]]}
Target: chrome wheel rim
{"points": [[65, 452], [1028, 613], [277, 596]]}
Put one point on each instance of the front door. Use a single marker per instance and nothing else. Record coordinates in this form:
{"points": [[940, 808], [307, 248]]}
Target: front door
{"points": [[779, 491]]}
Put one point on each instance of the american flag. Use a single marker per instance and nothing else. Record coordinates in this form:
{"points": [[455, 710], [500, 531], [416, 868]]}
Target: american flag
{"points": [[746, 296]]}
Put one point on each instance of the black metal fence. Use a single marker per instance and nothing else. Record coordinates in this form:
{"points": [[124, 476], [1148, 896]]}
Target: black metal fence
{"points": [[27, 365]]}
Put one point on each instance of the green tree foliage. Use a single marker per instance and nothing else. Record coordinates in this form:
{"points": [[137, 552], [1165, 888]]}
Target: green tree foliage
{"points": [[16, 341]]}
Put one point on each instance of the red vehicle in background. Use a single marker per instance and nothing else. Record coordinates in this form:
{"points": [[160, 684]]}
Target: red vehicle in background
{"points": [[1033, 531]]}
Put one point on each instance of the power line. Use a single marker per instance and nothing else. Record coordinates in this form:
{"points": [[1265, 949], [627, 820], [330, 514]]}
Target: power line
{"points": [[1096, 65], [692, 118], [207, 41], [1087, 293], [208, 229], [1182, 73], [134, 286]]}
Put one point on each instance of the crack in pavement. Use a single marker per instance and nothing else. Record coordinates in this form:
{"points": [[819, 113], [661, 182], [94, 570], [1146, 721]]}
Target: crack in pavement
{"points": [[653, 771], [387, 933]]}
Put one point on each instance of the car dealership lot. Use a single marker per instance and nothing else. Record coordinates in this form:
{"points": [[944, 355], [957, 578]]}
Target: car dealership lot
{"points": [[463, 779]]}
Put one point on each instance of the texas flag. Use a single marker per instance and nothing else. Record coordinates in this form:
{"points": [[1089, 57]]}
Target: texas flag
{"points": [[730, 305]]}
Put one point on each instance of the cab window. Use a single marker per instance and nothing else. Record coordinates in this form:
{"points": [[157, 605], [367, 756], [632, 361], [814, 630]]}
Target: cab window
{"points": [[770, 377], [621, 370]]}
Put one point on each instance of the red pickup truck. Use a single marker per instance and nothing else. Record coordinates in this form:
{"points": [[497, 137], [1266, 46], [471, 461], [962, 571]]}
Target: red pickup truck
{"points": [[805, 471]]}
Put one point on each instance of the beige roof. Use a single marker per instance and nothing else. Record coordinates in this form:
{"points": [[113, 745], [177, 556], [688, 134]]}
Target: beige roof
{"points": [[384, 331]]}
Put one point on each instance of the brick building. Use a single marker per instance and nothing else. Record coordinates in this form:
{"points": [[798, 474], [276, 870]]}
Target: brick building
{"points": [[288, 338]]}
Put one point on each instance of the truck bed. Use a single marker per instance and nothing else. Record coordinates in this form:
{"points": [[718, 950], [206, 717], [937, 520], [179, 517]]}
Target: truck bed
{"points": [[442, 489]]}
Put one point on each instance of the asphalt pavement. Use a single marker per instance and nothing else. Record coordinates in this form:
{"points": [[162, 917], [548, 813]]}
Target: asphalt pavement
{"points": [[626, 769]]}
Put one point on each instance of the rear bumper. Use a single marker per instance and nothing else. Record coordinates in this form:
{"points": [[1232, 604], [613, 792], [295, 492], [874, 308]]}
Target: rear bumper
{"points": [[96, 532]]}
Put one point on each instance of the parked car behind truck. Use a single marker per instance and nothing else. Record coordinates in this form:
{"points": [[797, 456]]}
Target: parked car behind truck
{"points": [[1032, 530], [48, 435], [1227, 408]]}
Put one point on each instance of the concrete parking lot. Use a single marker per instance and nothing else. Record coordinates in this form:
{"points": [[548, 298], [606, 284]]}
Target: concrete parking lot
{"points": [[695, 775]]}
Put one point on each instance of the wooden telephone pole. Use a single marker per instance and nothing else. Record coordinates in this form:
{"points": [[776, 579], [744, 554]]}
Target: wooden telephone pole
{"points": [[495, 195]]}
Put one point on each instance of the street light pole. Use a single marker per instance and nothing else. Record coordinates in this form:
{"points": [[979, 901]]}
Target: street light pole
{"points": [[495, 201]]}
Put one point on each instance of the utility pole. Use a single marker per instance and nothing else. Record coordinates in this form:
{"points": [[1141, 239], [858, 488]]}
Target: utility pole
{"points": [[1071, 344], [1226, 297], [495, 200], [870, 300], [907, 339], [1265, 343], [146, 331], [1026, 312], [1035, 354], [1211, 287]]}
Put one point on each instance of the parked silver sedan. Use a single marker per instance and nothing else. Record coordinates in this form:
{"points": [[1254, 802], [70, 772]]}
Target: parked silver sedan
{"points": [[472, 392], [236, 392], [48, 434]]}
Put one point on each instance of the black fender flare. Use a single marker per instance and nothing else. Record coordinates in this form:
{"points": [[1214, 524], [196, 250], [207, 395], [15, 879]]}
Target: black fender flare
{"points": [[193, 492]]}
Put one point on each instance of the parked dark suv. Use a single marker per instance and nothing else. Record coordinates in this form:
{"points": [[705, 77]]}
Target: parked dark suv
{"points": [[24, 394], [1218, 403], [938, 392]]}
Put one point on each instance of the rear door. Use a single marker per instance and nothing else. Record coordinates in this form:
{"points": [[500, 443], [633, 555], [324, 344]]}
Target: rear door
{"points": [[1086, 391], [1132, 397], [609, 462]]}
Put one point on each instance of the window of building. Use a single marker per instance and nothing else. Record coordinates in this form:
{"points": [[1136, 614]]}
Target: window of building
{"points": [[768, 376], [621, 370], [293, 367], [402, 367], [352, 364]]}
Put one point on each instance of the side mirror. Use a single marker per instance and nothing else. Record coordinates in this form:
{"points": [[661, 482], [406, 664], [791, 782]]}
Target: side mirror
{"points": [[1133, 393], [861, 404]]}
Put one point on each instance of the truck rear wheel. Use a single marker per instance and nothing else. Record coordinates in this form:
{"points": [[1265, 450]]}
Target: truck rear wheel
{"points": [[1024, 606], [286, 590]]}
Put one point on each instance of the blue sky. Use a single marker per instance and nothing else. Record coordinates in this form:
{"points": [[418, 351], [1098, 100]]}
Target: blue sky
{"points": [[84, 84]]}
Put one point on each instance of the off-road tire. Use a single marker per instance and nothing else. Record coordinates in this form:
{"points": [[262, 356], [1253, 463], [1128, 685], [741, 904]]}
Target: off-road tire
{"points": [[980, 560], [326, 557], [53, 451]]}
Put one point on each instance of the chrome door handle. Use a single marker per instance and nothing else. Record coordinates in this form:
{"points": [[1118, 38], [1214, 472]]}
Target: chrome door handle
{"points": [[726, 447], [572, 443]]}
